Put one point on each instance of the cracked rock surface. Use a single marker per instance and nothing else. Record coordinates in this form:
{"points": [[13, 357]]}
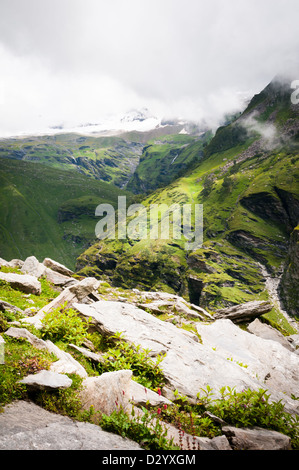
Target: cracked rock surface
{"points": [[41, 430]]}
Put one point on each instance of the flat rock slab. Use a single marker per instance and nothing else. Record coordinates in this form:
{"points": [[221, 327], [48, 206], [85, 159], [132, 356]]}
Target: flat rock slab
{"points": [[276, 367], [24, 282], [47, 380], [41, 430], [244, 312], [188, 365]]}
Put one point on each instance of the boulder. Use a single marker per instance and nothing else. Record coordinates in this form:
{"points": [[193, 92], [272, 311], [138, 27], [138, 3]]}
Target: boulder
{"points": [[16, 263], [59, 268], [24, 282], [39, 429], [107, 392], [265, 331], [256, 439], [164, 299], [244, 312], [6, 306], [33, 267], [46, 380]]}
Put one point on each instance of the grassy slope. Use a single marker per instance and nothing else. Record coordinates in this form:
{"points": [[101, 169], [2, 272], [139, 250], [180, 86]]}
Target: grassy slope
{"points": [[165, 159], [110, 159], [32, 197]]}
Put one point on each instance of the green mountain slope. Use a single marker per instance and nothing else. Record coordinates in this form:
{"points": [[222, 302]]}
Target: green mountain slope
{"points": [[166, 159], [48, 212], [111, 159], [248, 183]]}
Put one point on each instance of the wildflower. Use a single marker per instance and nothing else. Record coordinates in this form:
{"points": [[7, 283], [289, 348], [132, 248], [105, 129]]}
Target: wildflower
{"points": [[159, 391], [159, 411], [165, 407]]}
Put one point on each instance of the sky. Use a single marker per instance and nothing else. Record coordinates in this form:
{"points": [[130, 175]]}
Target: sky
{"points": [[71, 62]]}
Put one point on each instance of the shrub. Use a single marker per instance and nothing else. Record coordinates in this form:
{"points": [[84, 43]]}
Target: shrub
{"points": [[64, 324], [252, 408], [126, 356]]}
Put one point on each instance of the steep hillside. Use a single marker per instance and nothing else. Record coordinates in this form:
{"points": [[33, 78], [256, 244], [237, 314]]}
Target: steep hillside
{"points": [[166, 159], [110, 159], [48, 211], [247, 181]]}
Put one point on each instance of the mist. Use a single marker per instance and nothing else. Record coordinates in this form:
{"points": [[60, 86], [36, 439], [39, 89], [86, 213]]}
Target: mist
{"points": [[69, 62]]}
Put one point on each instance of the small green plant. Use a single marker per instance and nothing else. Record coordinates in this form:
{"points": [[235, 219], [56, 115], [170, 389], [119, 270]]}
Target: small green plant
{"points": [[143, 427], [21, 359], [251, 408], [123, 355], [64, 324], [64, 401]]}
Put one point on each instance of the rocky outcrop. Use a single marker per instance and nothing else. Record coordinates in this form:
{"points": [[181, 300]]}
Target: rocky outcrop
{"points": [[244, 312], [79, 291], [215, 353], [290, 278], [227, 356], [56, 273], [26, 426]]}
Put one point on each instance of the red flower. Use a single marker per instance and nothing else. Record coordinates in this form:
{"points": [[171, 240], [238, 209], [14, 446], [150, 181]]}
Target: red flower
{"points": [[159, 411], [159, 391]]}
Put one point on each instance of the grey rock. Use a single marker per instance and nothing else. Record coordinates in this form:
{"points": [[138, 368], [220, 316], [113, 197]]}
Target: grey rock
{"points": [[275, 367], [244, 312], [39, 429], [140, 395], [107, 392], [25, 282], [188, 365], [6, 306], [268, 332], [94, 357], [33, 267], [3, 262], [256, 439], [74, 293], [46, 380], [59, 268], [16, 263]]}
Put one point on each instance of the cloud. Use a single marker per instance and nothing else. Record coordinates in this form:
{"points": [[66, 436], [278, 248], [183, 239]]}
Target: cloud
{"points": [[77, 60]]}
